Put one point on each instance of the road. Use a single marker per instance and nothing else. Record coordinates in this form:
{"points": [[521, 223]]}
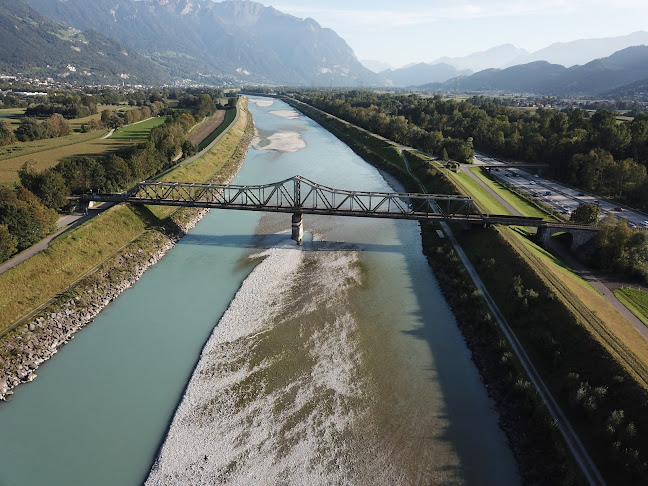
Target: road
{"points": [[561, 198]]}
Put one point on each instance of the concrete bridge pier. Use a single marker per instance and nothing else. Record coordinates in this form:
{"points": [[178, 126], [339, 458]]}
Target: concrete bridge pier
{"points": [[297, 227]]}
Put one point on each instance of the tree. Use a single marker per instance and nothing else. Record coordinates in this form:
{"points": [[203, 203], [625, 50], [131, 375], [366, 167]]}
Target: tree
{"points": [[31, 129], [7, 243], [231, 102], [189, 148], [51, 189], [117, 172], [6, 134], [22, 225], [205, 106], [586, 214], [57, 126], [49, 186]]}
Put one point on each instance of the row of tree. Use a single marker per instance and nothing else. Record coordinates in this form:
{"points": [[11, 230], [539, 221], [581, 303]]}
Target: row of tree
{"points": [[114, 172], [597, 153], [32, 129], [68, 105], [383, 114]]}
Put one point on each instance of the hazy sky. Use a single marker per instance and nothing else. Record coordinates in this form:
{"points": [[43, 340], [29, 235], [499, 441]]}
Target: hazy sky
{"points": [[400, 32]]}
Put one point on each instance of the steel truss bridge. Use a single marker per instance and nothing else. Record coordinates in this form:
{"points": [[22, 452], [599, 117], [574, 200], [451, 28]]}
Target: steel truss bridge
{"points": [[300, 196]]}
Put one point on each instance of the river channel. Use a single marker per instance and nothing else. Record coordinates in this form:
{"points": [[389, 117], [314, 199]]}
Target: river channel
{"points": [[337, 362]]}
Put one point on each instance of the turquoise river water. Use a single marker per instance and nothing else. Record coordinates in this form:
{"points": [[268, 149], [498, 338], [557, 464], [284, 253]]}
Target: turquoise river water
{"points": [[337, 362]]}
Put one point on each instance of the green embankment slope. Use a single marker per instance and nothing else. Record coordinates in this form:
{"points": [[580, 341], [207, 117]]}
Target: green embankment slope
{"points": [[37, 281]]}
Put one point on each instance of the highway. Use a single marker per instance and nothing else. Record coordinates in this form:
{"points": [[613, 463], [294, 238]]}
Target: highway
{"points": [[561, 198]]}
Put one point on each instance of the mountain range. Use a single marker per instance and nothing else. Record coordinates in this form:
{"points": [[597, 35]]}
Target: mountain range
{"points": [[34, 45], [241, 41], [600, 76], [566, 54], [219, 42], [421, 73]]}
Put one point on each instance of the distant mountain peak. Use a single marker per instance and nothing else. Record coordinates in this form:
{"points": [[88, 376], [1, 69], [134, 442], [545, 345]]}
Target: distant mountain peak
{"points": [[494, 57]]}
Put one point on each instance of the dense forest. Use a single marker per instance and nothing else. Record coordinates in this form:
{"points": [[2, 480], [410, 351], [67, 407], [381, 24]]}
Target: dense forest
{"points": [[595, 152]]}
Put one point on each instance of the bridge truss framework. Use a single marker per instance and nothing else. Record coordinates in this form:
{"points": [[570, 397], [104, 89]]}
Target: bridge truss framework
{"points": [[299, 196]]}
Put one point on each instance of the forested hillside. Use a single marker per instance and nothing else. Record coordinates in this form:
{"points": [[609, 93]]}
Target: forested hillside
{"points": [[35, 45]]}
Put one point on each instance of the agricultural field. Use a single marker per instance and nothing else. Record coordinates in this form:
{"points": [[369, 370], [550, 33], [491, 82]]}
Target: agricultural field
{"points": [[137, 132], [49, 152], [205, 128], [12, 115]]}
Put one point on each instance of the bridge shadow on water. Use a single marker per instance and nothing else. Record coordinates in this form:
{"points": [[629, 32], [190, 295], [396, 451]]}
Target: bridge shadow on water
{"points": [[465, 400], [265, 241]]}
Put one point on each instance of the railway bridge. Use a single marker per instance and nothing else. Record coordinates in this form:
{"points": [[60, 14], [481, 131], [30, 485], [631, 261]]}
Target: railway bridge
{"points": [[300, 196]]}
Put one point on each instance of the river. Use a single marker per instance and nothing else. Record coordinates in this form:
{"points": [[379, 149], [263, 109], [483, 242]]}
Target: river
{"points": [[335, 362]]}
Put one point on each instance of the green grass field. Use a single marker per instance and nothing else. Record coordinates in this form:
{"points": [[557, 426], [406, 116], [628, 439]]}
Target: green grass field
{"points": [[524, 207], [636, 301], [137, 132], [486, 202]]}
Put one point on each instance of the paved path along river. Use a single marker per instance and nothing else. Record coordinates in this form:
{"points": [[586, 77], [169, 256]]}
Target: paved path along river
{"points": [[334, 362]]}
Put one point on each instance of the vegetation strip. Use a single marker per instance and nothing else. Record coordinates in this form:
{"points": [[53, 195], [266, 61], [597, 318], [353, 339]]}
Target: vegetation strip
{"points": [[572, 439]]}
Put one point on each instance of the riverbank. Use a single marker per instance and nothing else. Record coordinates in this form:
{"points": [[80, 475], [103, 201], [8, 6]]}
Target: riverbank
{"points": [[26, 347]]}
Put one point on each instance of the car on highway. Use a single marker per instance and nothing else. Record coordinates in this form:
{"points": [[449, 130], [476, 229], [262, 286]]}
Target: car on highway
{"points": [[547, 193], [618, 208], [531, 182], [536, 194], [631, 225], [644, 223]]}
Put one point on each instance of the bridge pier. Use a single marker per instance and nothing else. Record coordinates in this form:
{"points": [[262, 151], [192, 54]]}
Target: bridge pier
{"points": [[297, 227]]}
